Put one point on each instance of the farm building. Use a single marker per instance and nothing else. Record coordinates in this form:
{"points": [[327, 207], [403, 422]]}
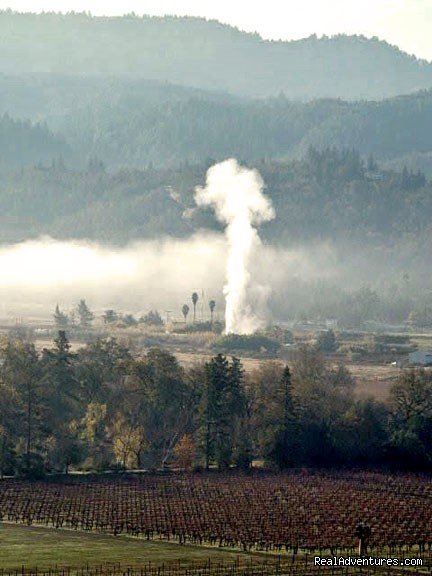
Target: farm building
{"points": [[420, 358]]}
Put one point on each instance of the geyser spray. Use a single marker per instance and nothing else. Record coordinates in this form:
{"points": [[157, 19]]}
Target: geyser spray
{"points": [[236, 194]]}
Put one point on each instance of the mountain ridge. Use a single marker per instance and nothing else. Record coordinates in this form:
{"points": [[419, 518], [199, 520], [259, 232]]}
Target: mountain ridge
{"points": [[209, 55]]}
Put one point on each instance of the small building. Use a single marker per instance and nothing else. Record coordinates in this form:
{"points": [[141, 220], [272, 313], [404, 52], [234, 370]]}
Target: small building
{"points": [[420, 358]]}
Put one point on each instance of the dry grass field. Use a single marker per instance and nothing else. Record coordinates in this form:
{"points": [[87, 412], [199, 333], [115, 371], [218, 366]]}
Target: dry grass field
{"points": [[374, 380]]}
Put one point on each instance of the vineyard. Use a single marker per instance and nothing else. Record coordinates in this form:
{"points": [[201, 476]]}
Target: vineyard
{"points": [[267, 568], [278, 513]]}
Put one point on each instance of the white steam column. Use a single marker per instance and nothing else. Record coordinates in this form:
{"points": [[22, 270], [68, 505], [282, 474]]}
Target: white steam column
{"points": [[236, 194]]}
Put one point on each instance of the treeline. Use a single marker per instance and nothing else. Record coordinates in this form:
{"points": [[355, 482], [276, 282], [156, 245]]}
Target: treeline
{"points": [[105, 408], [207, 54], [328, 195], [136, 123]]}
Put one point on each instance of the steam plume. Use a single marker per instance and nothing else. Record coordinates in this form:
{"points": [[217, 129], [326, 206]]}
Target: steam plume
{"points": [[236, 194]]}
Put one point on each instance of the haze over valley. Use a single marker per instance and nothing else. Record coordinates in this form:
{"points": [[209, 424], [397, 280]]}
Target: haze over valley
{"points": [[106, 136]]}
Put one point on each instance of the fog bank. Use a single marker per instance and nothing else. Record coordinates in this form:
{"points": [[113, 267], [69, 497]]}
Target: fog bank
{"points": [[38, 274]]}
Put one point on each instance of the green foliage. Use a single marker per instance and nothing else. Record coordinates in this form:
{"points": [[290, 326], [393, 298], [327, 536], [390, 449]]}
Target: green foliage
{"points": [[30, 466], [283, 447], [152, 318], [282, 335], [129, 320], [194, 299], [100, 123], [21, 375], [110, 317], [128, 205], [200, 327], [326, 341], [185, 311], [411, 403], [363, 436], [222, 406], [249, 343], [23, 143], [60, 318], [86, 317], [100, 368], [103, 408]]}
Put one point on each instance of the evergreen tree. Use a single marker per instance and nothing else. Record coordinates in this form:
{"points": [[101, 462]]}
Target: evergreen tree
{"points": [[64, 411], [60, 318], [326, 341], [85, 315], [284, 441], [222, 404], [21, 371], [110, 316]]}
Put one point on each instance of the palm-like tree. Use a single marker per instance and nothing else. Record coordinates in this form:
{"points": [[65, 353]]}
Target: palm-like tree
{"points": [[185, 311], [194, 302], [212, 305]]}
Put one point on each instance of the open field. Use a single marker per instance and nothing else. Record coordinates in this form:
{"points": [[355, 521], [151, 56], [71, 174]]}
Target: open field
{"points": [[188, 359], [46, 547], [35, 551], [374, 380], [371, 379]]}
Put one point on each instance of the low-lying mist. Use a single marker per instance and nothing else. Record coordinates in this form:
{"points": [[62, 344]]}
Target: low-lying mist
{"points": [[143, 276]]}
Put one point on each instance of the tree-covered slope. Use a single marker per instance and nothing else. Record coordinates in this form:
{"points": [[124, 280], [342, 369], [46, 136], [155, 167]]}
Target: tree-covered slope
{"points": [[328, 195], [388, 129], [137, 123], [206, 54], [23, 143], [135, 127]]}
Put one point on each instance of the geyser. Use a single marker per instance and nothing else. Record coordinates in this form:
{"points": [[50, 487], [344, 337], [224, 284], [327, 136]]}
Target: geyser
{"points": [[236, 194]]}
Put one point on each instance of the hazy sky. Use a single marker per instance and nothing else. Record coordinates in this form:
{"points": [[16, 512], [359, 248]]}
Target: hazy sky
{"points": [[406, 23]]}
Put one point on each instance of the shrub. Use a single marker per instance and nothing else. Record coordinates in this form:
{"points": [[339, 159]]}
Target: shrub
{"points": [[243, 343]]}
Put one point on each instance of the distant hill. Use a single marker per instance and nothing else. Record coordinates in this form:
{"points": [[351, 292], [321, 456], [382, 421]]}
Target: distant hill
{"points": [[206, 54], [140, 123]]}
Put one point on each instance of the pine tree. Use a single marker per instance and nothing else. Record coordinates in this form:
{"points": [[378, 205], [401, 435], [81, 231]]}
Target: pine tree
{"points": [[60, 318], [284, 441], [85, 315], [63, 400], [222, 404]]}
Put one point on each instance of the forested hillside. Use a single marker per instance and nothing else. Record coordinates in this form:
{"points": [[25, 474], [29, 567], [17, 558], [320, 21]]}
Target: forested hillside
{"points": [[206, 54], [138, 123], [327, 195], [23, 143], [135, 131]]}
